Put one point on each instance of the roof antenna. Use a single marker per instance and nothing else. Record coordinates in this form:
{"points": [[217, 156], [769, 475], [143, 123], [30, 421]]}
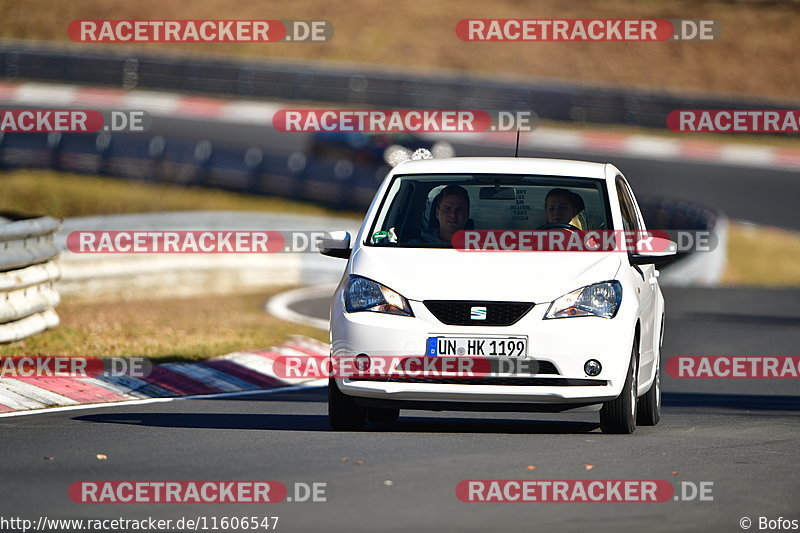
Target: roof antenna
{"points": [[516, 148]]}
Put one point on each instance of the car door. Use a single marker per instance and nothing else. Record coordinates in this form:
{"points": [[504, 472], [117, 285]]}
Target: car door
{"points": [[645, 281]]}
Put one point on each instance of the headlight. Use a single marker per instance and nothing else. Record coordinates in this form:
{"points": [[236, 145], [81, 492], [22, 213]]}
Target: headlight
{"points": [[599, 299], [362, 294]]}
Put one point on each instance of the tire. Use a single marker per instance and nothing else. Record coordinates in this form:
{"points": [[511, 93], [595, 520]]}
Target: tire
{"points": [[378, 414], [343, 412], [650, 404], [619, 415]]}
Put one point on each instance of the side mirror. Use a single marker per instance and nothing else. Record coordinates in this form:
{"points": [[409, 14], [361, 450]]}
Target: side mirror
{"points": [[335, 244], [658, 252]]}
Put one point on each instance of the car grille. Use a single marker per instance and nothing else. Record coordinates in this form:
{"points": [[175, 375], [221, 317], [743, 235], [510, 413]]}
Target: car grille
{"points": [[459, 312], [505, 381]]}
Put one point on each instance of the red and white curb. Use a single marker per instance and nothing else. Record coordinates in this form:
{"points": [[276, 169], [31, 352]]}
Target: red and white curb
{"points": [[158, 103], [236, 373], [637, 145]]}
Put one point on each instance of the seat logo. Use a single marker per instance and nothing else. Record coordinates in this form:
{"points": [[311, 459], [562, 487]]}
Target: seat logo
{"points": [[477, 313]]}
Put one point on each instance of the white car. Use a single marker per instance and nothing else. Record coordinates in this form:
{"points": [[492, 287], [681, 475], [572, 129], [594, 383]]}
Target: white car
{"points": [[588, 324]]}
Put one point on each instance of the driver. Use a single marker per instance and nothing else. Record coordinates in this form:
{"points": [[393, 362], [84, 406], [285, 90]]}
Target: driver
{"points": [[452, 214], [562, 206]]}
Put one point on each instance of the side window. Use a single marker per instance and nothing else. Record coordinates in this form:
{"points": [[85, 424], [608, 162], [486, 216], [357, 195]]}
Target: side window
{"points": [[630, 220]]}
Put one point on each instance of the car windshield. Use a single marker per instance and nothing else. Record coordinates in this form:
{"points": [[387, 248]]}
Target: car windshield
{"points": [[418, 210]]}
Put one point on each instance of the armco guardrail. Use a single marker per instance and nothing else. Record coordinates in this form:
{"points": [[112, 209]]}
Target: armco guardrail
{"points": [[28, 270], [176, 160], [351, 86]]}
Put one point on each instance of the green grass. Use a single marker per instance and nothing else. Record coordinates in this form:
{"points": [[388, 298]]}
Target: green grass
{"points": [[167, 330]]}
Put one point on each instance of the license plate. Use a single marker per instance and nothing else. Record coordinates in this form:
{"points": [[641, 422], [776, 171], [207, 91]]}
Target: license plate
{"points": [[477, 346]]}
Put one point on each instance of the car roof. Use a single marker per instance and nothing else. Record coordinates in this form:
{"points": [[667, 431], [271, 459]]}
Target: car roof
{"points": [[504, 165]]}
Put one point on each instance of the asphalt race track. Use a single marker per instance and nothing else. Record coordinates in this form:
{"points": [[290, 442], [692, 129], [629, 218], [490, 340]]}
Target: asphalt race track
{"points": [[739, 434]]}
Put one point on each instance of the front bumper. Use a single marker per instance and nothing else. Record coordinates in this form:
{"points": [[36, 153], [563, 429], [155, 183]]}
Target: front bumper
{"points": [[566, 343]]}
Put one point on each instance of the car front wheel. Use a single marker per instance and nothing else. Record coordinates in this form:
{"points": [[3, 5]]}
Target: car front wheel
{"points": [[619, 415], [650, 404], [343, 412], [380, 414]]}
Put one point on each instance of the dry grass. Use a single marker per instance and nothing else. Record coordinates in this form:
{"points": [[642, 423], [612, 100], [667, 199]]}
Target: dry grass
{"points": [[72, 195], [176, 329], [762, 256], [168, 330], [756, 54]]}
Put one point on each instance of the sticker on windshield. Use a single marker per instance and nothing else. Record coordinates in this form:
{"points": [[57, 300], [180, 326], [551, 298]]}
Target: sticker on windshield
{"points": [[384, 236]]}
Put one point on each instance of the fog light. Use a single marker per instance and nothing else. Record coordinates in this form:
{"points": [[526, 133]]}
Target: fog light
{"points": [[362, 362], [592, 367]]}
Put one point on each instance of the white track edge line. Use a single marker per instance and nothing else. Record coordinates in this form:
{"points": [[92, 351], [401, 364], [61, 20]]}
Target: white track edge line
{"points": [[278, 306]]}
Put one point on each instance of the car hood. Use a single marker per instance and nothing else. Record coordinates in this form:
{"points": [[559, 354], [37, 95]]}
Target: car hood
{"points": [[440, 274]]}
